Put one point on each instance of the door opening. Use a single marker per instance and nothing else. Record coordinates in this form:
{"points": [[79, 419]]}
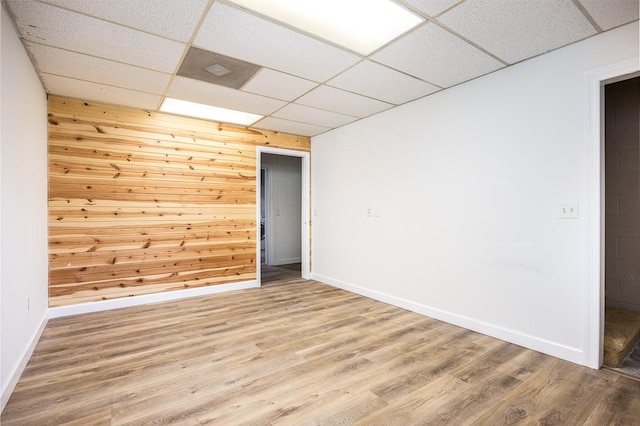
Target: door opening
{"points": [[621, 340], [283, 225], [595, 203]]}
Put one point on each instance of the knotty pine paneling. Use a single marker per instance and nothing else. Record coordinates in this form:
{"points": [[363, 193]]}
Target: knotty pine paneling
{"points": [[142, 202]]}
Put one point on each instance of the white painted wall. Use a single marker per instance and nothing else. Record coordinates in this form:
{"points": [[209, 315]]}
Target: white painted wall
{"points": [[284, 182], [449, 205], [23, 208]]}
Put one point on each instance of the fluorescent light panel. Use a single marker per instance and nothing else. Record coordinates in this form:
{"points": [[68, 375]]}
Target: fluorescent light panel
{"points": [[208, 112], [360, 25]]}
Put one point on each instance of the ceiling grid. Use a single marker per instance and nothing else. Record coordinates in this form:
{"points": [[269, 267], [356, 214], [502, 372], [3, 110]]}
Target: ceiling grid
{"points": [[131, 53]]}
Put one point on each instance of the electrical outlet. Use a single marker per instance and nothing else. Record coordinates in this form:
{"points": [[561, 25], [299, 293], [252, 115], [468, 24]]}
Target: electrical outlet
{"points": [[568, 211]]}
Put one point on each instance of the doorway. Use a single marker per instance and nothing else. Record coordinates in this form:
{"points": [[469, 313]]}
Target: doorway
{"points": [[622, 226], [594, 299], [282, 213]]}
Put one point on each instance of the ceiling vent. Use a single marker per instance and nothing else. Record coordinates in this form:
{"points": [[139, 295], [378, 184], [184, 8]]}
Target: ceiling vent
{"points": [[217, 69]]}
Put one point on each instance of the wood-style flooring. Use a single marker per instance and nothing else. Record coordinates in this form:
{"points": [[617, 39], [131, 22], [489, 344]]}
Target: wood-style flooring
{"points": [[281, 274], [303, 353]]}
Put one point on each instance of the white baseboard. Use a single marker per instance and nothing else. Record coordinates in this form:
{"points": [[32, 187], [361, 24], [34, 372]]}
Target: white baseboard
{"points": [[289, 261], [17, 370], [106, 305], [531, 342], [84, 308], [550, 348]]}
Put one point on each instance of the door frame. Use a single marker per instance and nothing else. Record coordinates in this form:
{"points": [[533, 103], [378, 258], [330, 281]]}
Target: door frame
{"points": [[267, 214], [595, 81], [305, 240]]}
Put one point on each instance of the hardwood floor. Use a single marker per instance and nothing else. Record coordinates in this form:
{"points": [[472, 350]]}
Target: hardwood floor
{"points": [[300, 354], [282, 274]]}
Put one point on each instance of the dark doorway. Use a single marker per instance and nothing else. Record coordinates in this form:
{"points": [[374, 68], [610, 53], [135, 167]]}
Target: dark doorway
{"points": [[622, 226]]}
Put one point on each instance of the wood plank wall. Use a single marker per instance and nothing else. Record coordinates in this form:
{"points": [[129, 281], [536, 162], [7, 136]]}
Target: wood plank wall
{"points": [[143, 202]]}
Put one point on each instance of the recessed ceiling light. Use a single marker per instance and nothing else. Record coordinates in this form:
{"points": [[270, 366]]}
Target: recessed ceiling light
{"points": [[208, 112], [360, 25]]}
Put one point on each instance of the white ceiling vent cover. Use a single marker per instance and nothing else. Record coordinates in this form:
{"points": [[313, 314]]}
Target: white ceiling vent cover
{"points": [[218, 70]]}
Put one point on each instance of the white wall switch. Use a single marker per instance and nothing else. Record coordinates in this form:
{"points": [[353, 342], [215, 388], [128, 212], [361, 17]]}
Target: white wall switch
{"points": [[568, 211]]}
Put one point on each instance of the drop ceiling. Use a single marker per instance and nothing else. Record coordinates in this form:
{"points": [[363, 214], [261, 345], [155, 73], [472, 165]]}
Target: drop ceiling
{"points": [[130, 53]]}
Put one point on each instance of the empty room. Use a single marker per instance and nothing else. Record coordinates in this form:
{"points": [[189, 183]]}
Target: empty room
{"points": [[285, 212]]}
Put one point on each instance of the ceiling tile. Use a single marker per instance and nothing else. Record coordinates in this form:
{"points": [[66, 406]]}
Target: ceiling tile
{"points": [[316, 116], [431, 7], [241, 35], [612, 13], [379, 82], [191, 90], [176, 20], [292, 127], [57, 27], [518, 29], [126, 52], [99, 92], [437, 56], [276, 84], [332, 99], [52, 60]]}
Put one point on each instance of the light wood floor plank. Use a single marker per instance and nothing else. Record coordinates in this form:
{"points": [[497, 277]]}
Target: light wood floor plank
{"points": [[299, 352]]}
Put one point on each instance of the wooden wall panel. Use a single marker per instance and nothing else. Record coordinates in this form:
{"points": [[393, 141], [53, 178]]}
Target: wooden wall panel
{"points": [[143, 202]]}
